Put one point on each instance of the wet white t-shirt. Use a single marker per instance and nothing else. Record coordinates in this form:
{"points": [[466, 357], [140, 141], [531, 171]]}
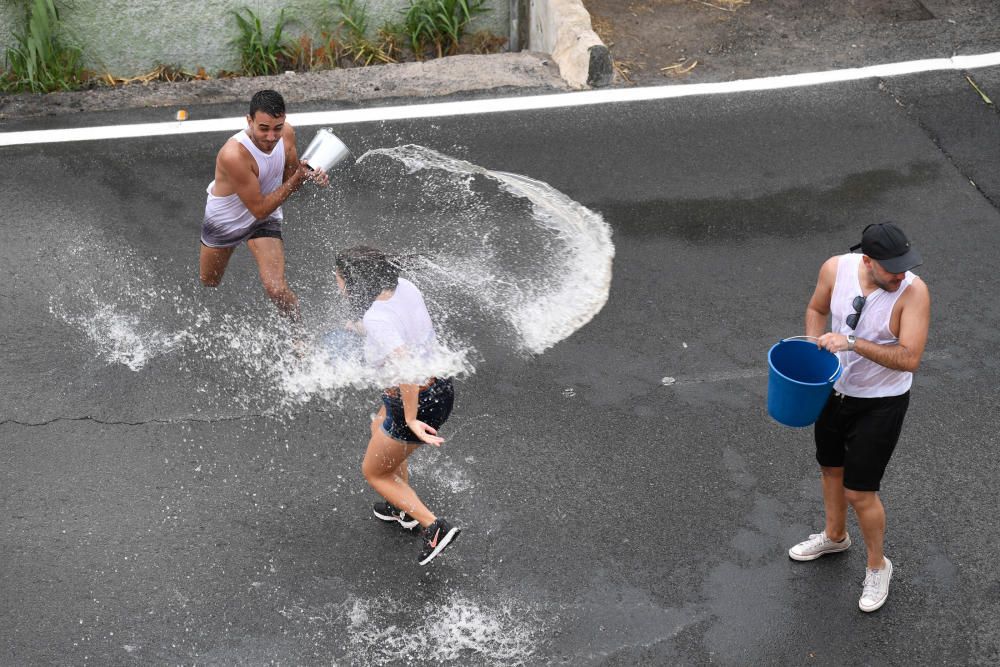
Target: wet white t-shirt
{"points": [[862, 377], [401, 321]]}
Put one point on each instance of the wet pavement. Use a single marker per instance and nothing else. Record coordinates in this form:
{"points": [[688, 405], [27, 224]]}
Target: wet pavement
{"points": [[624, 497]]}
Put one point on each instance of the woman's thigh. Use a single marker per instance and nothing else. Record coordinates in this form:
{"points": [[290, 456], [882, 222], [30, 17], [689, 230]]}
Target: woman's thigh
{"points": [[384, 454]]}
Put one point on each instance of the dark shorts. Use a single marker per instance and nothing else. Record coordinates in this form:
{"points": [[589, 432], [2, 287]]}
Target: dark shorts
{"points": [[433, 407], [220, 235], [265, 233], [859, 435]]}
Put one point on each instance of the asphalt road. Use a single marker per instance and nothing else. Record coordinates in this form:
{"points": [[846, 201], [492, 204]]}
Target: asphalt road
{"points": [[167, 516]]}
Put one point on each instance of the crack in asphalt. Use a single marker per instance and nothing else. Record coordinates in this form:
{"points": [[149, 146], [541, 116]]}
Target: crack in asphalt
{"points": [[184, 420], [912, 112]]}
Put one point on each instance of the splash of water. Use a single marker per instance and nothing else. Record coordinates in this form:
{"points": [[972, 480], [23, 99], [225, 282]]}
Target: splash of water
{"points": [[460, 631], [118, 313], [493, 253], [575, 285], [120, 337]]}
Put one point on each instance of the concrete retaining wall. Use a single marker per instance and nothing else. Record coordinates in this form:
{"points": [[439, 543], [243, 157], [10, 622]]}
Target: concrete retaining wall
{"points": [[563, 29], [131, 37]]}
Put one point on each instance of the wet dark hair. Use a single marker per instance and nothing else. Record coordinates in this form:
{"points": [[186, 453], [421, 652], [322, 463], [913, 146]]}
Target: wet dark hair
{"points": [[269, 101], [367, 272]]}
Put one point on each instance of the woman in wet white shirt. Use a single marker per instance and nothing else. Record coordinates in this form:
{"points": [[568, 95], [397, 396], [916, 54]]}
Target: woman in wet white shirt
{"points": [[400, 344]]}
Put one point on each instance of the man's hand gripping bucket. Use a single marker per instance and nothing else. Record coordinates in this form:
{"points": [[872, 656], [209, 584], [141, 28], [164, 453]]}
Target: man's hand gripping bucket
{"points": [[801, 376]]}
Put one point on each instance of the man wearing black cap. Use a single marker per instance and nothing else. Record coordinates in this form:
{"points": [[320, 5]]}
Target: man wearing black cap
{"points": [[879, 314]]}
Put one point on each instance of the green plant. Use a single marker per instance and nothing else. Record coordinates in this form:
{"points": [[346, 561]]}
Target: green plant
{"points": [[353, 17], [41, 61], [439, 23], [260, 54], [357, 46]]}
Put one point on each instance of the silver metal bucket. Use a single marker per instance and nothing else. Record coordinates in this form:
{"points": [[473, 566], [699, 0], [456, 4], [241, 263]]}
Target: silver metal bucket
{"points": [[325, 151]]}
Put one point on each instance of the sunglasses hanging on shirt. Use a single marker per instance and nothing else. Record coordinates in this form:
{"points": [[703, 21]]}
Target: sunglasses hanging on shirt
{"points": [[857, 304]]}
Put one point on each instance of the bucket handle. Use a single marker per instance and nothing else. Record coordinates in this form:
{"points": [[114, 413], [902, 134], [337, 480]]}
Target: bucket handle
{"points": [[830, 379]]}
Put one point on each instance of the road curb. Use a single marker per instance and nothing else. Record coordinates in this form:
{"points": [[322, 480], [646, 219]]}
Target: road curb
{"points": [[563, 28], [453, 75]]}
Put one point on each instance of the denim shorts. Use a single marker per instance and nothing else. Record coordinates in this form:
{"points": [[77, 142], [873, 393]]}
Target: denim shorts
{"points": [[433, 407]]}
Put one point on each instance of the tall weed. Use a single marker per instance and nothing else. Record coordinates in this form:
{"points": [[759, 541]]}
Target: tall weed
{"points": [[40, 60], [260, 54], [439, 24], [357, 45]]}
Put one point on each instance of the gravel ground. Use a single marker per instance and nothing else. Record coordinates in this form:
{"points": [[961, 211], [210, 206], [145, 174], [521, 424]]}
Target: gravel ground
{"points": [[658, 42]]}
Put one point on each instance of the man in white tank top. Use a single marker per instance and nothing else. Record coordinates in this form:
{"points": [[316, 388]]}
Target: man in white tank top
{"points": [[255, 172], [879, 314]]}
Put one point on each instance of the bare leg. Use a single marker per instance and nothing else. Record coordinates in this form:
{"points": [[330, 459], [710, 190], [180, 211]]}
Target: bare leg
{"points": [[871, 516], [270, 255], [834, 502], [212, 264], [381, 468], [403, 469]]}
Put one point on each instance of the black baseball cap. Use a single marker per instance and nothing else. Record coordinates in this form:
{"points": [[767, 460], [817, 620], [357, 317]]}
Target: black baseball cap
{"points": [[887, 244]]}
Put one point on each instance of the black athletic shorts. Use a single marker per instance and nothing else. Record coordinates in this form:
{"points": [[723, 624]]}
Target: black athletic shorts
{"points": [[859, 435], [264, 233]]}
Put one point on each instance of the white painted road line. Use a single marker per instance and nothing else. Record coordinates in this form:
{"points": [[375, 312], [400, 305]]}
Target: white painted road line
{"points": [[507, 104]]}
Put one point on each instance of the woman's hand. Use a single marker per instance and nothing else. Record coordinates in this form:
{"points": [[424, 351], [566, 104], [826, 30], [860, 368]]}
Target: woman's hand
{"points": [[425, 432]]}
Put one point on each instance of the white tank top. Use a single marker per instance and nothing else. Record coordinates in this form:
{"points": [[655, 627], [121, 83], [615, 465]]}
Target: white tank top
{"points": [[400, 321], [229, 211], [863, 378]]}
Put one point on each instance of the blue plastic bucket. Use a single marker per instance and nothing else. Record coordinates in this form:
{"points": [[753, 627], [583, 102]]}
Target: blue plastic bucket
{"points": [[800, 379]]}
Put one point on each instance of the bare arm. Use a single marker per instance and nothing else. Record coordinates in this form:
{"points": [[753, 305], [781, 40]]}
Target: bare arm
{"points": [[905, 353], [410, 393], [914, 323], [233, 167], [818, 310], [291, 154]]}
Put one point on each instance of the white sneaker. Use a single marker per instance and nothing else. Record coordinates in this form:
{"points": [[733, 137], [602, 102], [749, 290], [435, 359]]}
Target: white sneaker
{"points": [[876, 587], [818, 545]]}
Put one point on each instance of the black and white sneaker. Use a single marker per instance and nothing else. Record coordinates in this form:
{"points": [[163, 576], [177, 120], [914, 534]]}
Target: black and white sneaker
{"points": [[437, 536], [388, 512]]}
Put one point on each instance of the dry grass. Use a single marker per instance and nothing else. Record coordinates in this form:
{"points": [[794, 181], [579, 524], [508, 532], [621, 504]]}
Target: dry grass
{"points": [[724, 5], [483, 42], [625, 68], [680, 68], [167, 73], [983, 95]]}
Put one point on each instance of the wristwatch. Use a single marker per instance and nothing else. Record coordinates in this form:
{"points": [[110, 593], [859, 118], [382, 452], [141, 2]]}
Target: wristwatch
{"points": [[851, 339]]}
